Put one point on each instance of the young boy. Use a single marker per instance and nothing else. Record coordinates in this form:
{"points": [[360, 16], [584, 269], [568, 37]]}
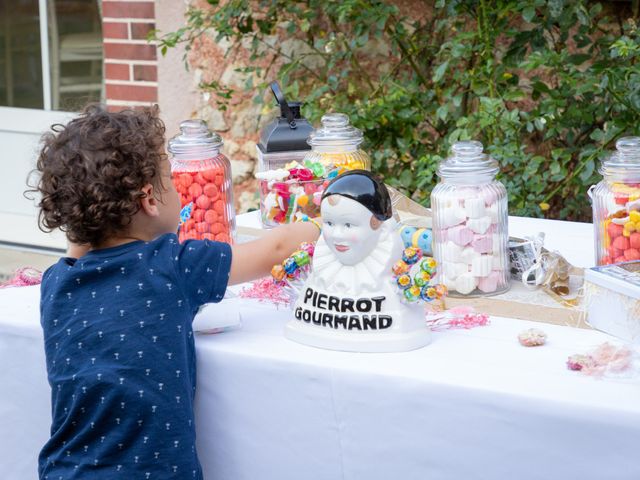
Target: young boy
{"points": [[117, 320]]}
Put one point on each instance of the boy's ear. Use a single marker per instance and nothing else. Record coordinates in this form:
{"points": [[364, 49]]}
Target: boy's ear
{"points": [[149, 203]]}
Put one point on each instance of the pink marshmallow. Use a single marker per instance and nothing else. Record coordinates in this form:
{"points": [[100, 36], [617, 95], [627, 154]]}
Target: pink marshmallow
{"points": [[460, 235], [482, 243], [489, 283]]}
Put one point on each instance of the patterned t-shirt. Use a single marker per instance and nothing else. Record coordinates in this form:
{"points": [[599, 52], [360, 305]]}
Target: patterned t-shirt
{"points": [[121, 359]]}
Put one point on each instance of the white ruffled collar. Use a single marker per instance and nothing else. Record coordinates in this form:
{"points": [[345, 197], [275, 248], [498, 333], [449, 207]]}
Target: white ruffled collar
{"points": [[332, 276]]}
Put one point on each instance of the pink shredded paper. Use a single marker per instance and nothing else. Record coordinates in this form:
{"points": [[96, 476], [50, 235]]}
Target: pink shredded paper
{"points": [[23, 277], [458, 318], [266, 290]]}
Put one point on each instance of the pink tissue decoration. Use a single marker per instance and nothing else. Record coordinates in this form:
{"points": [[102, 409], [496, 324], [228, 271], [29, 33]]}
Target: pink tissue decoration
{"points": [[458, 318], [604, 359], [266, 290], [24, 277]]}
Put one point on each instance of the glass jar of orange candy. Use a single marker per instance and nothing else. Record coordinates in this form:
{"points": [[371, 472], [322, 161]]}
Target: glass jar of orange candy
{"points": [[202, 177]]}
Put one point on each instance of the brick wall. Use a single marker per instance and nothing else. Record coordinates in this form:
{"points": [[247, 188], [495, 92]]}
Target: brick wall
{"points": [[130, 61]]}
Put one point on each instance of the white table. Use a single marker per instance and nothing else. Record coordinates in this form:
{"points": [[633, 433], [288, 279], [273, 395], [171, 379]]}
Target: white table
{"points": [[472, 405]]}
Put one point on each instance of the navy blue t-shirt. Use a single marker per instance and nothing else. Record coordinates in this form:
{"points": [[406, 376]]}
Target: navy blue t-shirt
{"points": [[121, 359]]}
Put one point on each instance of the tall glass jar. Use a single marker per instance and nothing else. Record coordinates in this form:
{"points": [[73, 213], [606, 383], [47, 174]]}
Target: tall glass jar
{"points": [[336, 144], [470, 217], [616, 205], [202, 176]]}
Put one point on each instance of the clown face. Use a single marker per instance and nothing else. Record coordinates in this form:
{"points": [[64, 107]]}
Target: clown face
{"points": [[349, 229]]}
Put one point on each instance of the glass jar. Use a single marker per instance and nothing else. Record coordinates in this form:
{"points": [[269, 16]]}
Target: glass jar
{"points": [[470, 223], [202, 177], [336, 144], [616, 205], [297, 188]]}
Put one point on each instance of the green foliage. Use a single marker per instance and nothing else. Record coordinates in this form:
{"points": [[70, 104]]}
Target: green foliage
{"points": [[546, 85]]}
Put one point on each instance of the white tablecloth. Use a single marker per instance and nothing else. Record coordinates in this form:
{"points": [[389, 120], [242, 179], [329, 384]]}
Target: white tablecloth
{"points": [[472, 405]]}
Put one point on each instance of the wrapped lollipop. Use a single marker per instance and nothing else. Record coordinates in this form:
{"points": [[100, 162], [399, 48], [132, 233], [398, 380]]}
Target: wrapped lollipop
{"points": [[292, 273], [414, 275]]}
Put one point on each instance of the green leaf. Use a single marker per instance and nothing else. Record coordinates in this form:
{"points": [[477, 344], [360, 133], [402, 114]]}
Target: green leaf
{"points": [[440, 71], [528, 13]]}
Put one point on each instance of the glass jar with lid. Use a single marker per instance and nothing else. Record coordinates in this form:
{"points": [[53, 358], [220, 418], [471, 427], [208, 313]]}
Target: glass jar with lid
{"points": [[202, 177], [296, 189], [616, 205], [470, 223]]}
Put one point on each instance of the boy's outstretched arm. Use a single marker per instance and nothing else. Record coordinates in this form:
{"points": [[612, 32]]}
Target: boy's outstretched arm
{"points": [[255, 259]]}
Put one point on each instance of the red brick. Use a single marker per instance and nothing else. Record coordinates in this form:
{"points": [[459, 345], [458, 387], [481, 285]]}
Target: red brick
{"points": [[115, 30], [135, 93], [146, 73], [140, 31], [128, 9], [125, 51], [116, 71]]}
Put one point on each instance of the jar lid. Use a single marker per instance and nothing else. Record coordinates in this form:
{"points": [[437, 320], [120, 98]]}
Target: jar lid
{"points": [[625, 159], [335, 131], [195, 139], [467, 158]]}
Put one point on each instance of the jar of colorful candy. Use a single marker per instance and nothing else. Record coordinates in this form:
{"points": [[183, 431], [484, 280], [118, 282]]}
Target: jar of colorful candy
{"points": [[470, 218], [337, 144], [616, 205], [202, 177]]}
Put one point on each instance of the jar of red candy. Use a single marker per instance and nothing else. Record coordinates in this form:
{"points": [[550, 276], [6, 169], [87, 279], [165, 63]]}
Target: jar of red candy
{"points": [[616, 205], [470, 219], [202, 177]]}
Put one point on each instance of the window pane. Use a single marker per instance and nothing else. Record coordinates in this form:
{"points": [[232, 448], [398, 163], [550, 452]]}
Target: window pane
{"points": [[76, 53], [20, 62]]}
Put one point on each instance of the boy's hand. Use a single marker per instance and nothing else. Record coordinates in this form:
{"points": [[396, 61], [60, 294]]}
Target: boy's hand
{"points": [[255, 259]]}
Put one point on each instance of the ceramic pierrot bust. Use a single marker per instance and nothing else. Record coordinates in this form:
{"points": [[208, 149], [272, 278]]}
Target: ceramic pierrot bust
{"points": [[350, 300]]}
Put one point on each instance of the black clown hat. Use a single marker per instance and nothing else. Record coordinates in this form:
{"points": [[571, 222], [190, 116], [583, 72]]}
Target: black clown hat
{"points": [[363, 187]]}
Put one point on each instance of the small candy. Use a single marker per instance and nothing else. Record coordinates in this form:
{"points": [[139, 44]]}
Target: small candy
{"points": [[453, 270], [422, 278], [453, 216], [489, 283], [411, 255], [631, 254], [634, 216], [195, 190], [301, 258], [203, 201], [399, 268], [303, 201], [277, 272], [479, 225], [428, 294], [474, 207], [468, 254], [484, 243], [428, 265], [290, 266], [412, 294], [634, 240], [308, 247], [493, 211], [481, 266], [460, 235], [621, 243], [404, 281], [578, 361], [465, 283], [532, 337], [441, 290], [451, 252]]}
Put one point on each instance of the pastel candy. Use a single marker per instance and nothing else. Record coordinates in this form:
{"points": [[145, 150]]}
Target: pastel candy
{"points": [[453, 270], [483, 243], [479, 225], [460, 235], [498, 262], [474, 207], [453, 216], [481, 266], [465, 284], [489, 283], [493, 211], [468, 254], [448, 282], [451, 252]]}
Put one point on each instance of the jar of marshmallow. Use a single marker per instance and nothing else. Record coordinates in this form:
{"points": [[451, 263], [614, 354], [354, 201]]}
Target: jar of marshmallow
{"points": [[470, 217]]}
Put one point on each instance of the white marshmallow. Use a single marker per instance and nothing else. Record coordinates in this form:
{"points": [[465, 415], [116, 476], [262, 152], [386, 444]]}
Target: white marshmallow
{"points": [[479, 225], [271, 175], [450, 283], [481, 266], [493, 211], [466, 283], [498, 242], [451, 252], [498, 261], [467, 255], [474, 207], [452, 216], [453, 270]]}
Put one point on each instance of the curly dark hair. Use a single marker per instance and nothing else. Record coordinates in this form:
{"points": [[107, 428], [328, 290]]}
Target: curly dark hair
{"points": [[91, 171]]}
